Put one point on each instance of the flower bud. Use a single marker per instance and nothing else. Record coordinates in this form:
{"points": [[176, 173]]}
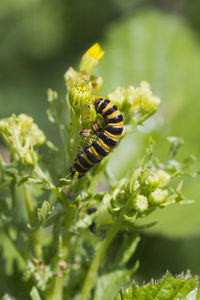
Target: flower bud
{"points": [[140, 203], [80, 94], [164, 178], [149, 103], [150, 179], [22, 135], [91, 58], [70, 77], [158, 196]]}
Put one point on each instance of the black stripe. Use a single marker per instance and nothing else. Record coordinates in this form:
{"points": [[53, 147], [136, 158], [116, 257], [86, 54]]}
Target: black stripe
{"points": [[107, 140], [90, 156], [110, 111], [115, 120], [104, 104], [97, 101], [83, 161], [99, 149], [114, 130], [78, 167]]}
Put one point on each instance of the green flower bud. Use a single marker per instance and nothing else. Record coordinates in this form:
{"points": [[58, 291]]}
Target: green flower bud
{"points": [[140, 203], [136, 185], [158, 196], [80, 94], [149, 103], [164, 178], [70, 77], [91, 58], [118, 97], [22, 135], [150, 179]]}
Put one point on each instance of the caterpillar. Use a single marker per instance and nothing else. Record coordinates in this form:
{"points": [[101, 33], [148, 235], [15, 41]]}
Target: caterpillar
{"points": [[105, 141]]}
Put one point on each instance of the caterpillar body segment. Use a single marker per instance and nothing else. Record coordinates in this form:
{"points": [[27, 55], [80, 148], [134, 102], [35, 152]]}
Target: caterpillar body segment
{"points": [[106, 140]]}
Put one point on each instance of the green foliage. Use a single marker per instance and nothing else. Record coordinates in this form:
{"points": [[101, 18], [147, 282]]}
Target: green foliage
{"points": [[60, 226], [181, 287]]}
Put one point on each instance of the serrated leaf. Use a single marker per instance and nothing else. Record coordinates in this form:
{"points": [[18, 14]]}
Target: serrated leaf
{"points": [[44, 212], [166, 288]]}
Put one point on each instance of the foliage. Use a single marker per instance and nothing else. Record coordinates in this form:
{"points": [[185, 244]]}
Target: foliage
{"points": [[181, 287], [60, 226]]}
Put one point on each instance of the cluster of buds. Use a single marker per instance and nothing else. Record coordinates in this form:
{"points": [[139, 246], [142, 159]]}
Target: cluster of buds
{"points": [[82, 85], [151, 190], [22, 135], [135, 103]]}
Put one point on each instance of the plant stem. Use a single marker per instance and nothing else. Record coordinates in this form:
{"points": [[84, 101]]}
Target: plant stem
{"points": [[56, 291], [90, 278], [29, 204], [30, 211]]}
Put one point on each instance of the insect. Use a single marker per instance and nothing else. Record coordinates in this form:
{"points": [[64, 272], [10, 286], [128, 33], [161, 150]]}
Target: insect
{"points": [[105, 141]]}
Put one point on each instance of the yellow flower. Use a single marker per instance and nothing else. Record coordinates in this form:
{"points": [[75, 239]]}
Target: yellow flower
{"points": [[91, 58]]}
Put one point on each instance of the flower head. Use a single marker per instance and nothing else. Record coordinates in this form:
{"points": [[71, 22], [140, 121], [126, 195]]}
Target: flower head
{"points": [[91, 58], [22, 135]]}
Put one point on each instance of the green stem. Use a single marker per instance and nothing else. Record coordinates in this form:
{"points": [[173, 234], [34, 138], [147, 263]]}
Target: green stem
{"points": [[29, 204], [56, 291], [31, 215], [92, 273]]}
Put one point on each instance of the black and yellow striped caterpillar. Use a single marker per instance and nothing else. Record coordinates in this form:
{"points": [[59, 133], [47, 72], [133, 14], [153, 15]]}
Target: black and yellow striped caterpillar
{"points": [[106, 139]]}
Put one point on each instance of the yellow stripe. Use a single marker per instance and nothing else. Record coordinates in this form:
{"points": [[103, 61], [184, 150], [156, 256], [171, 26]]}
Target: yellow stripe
{"points": [[102, 101], [79, 163], [114, 137], [87, 159], [74, 170], [109, 105], [120, 124], [104, 146], [113, 115], [98, 156]]}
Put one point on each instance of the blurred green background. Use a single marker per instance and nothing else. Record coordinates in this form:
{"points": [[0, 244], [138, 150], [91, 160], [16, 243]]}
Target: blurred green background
{"points": [[153, 40]]}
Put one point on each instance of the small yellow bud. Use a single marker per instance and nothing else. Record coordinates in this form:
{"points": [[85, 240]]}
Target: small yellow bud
{"points": [[158, 196], [140, 203], [91, 58]]}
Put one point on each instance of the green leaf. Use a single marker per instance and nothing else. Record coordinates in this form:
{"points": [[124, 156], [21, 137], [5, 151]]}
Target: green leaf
{"points": [[108, 284], [35, 294], [44, 212], [166, 288], [126, 249]]}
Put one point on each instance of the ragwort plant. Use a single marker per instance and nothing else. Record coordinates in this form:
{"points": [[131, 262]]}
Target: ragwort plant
{"points": [[59, 226]]}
